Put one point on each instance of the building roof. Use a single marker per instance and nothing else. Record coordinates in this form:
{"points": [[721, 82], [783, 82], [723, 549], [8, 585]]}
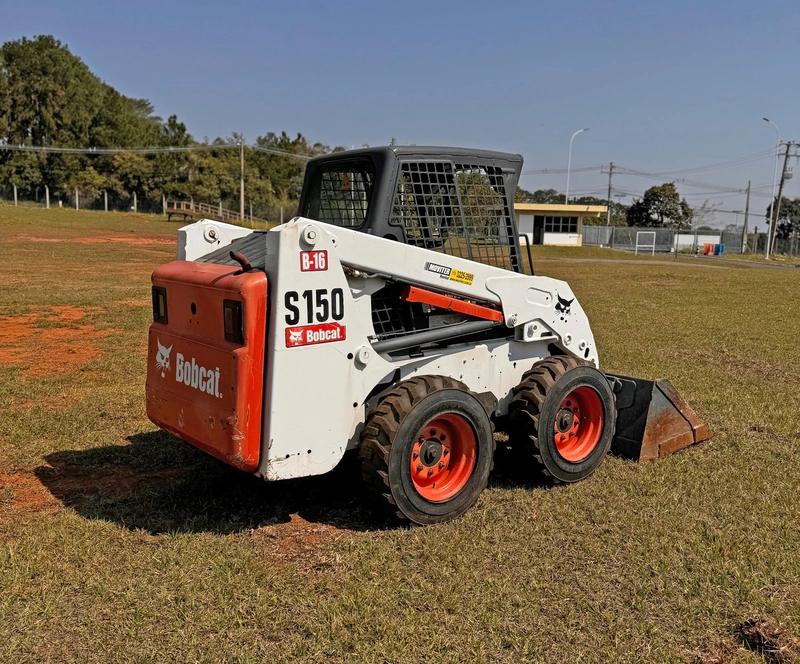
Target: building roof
{"points": [[558, 207]]}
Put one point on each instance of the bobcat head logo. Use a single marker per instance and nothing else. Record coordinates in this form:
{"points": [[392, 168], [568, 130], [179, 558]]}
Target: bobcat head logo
{"points": [[563, 307], [162, 358], [295, 336]]}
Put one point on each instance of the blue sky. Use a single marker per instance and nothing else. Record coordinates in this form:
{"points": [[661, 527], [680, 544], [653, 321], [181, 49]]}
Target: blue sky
{"points": [[663, 86]]}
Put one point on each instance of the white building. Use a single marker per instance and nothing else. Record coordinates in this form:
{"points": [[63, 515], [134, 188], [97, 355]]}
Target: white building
{"points": [[547, 223]]}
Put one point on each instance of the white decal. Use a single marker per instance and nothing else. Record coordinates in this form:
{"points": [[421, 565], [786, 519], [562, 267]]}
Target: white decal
{"points": [[200, 378], [162, 358]]}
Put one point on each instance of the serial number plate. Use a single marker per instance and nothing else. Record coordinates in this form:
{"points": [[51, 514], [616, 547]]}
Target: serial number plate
{"points": [[314, 261]]}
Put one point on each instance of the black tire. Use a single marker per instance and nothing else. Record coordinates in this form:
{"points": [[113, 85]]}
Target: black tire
{"points": [[537, 411], [392, 435]]}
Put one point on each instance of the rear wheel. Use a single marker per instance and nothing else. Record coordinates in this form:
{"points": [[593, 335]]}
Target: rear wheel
{"points": [[426, 449], [563, 416]]}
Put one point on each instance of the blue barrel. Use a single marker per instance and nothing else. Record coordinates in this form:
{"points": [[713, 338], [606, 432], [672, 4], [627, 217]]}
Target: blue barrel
{"points": [[719, 249]]}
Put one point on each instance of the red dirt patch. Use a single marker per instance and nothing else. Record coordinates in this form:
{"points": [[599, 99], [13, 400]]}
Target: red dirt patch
{"points": [[27, 493], [133, 240], [71, 483], [49, 342], [298, 538]]}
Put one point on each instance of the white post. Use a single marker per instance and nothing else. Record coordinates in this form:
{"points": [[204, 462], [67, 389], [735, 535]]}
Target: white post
{"points": [[135, 203], [251, 210], [15, 194], [105, 200], [47, 196], [77, 200], [163, 205], [281, 213]]}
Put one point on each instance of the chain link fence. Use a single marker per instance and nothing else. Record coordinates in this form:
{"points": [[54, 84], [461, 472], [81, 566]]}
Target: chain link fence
{"points": [[664, 240]]}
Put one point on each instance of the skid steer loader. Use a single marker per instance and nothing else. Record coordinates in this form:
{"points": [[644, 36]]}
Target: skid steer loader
{"points": [[393, 316]]}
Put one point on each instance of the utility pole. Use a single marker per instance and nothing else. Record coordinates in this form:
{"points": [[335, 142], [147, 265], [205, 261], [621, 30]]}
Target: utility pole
{"points": [[608, 204], [746, 215], [771, 237], [241, 181]]}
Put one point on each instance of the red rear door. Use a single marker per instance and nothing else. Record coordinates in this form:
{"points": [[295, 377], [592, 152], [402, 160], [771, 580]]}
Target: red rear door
{"points": [[205, 359]]}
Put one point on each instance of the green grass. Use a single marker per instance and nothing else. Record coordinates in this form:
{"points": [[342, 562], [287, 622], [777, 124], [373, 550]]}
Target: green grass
{"points": [[119, 543]]}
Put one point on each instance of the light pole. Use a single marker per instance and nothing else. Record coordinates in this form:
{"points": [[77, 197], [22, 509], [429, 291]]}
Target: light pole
{"points": [[774, 181], [569, 161]]}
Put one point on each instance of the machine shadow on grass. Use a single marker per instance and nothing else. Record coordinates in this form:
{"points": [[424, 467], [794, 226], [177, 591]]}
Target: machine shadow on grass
{"points": [[160, 484]]}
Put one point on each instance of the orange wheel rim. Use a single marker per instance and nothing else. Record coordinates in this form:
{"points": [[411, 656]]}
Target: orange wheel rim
{"points": [[443, 457], [579, 424]]}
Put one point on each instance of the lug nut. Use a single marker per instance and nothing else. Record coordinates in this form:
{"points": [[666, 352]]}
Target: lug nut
{"points": [[419, 468], [416, 455], [445, 452], [441, 465], [430, 472]]}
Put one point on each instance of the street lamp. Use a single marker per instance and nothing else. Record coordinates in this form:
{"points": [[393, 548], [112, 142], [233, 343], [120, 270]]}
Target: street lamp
{"points": [[569, 161], [774, 182]]}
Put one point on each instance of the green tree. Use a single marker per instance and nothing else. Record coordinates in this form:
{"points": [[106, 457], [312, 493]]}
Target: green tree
{"points": [[49, 97], [661, 206], [789, 219], [547, 196]]}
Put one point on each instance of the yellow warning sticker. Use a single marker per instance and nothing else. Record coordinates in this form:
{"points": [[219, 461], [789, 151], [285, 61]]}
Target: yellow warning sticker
{"points": [[462, 277]]}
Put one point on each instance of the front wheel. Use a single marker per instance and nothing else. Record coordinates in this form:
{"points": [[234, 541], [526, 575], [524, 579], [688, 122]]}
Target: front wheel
{"points": [[563, 416], [426, 449]]}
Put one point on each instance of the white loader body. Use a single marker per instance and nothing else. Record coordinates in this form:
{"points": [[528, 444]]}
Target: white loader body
{"points": [[323, 367]]}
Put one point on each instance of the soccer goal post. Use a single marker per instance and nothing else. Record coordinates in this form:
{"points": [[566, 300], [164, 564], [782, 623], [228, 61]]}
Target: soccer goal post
{"points": [[641, 241]]}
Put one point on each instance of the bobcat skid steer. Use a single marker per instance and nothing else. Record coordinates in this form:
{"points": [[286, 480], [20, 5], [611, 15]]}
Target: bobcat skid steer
{"points": [[392, 316]]}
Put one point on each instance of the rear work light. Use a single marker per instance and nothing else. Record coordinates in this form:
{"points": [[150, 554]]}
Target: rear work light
{"points": [[160, 304], [234, 321]]}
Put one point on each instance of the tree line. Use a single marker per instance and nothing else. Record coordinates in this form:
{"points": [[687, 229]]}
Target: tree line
{"points": [[49, 97]]}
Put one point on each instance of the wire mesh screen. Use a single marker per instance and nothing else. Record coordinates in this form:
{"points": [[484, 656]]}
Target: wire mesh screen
{"points": [[457, 209], [387, 319], [341, 193]]}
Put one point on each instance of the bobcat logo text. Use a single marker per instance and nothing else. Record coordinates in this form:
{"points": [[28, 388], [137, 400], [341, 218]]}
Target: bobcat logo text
{"points": [[195, 376]]}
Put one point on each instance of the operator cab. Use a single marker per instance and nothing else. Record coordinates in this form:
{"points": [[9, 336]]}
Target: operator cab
{"points": [[452, 200]]}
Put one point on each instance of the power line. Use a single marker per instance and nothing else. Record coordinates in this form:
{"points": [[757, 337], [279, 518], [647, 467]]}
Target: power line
{"points": [[551, 171], [151, 150], [756, 156]]}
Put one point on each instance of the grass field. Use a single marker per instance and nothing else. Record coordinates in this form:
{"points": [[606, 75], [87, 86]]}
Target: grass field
{"points": [[119, 543]]}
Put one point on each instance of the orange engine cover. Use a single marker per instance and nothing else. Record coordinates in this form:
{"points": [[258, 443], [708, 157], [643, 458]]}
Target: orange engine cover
{"points": [[200, 386]]}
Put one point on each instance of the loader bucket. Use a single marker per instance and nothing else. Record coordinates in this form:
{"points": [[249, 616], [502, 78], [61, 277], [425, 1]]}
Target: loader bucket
{"points": [[653, 420]]}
